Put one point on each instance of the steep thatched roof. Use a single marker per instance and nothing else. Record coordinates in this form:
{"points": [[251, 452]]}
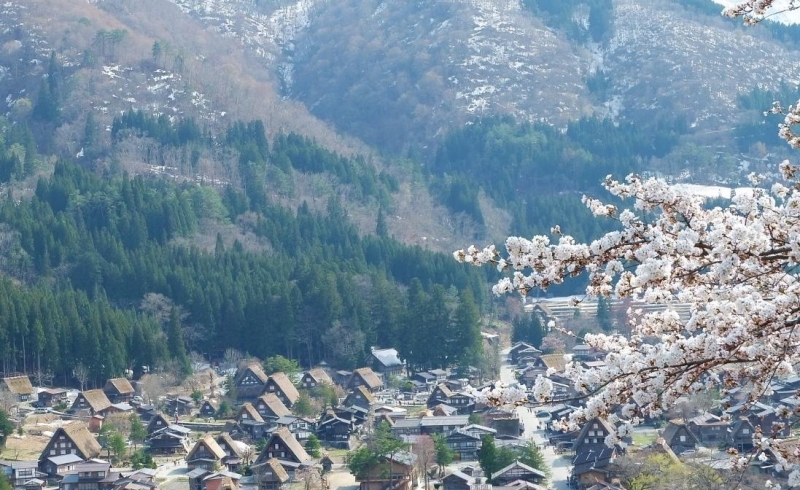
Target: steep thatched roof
{"points": [[371, 379], [287, 439], [555, 361], [235, 447], [119, 386], [319, 375], [285, 385], [211, 447], [274, 404], [252, 367], [96, 399], [85, 443], [248, 411], [273, 466], [19, 385], [359, 390]]}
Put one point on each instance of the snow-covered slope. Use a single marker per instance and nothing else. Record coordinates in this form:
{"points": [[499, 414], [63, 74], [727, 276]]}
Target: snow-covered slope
{"points": [[662, 59]]}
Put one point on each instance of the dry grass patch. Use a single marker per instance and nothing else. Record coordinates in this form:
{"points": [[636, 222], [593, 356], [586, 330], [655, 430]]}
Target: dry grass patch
{"points": [[27, 447]]}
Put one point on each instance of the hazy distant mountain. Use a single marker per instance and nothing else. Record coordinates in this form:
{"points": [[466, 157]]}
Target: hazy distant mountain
{"points": [[393, 75]]}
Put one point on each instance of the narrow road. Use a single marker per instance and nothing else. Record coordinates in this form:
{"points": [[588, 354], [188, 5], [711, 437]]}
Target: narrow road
{"points": [[560, 466]]}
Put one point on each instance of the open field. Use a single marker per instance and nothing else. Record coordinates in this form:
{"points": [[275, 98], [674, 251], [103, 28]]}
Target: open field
{"points": [[27, 447]]}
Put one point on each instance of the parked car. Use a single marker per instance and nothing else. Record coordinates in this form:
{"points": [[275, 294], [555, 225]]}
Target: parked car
{"points": [[42, 410]]}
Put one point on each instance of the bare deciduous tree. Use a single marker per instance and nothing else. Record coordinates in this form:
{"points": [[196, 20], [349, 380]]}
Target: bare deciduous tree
{"points": [[81, 374], [231, 358], [309, 477], [425, 451], [8, 400]]}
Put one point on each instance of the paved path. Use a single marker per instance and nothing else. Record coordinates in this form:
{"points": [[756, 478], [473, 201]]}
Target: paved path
{"points": [[560, 466]]}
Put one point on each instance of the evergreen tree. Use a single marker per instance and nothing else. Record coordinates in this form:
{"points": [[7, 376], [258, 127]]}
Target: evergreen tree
{"points": [[466, 332], [604, 314], [313, 446], [302, 407], [487, 456], [381, 228], [444, 454], [532, 456], [138, 430], [528, 328], [175, 342], [6, 428], [5, 483]]}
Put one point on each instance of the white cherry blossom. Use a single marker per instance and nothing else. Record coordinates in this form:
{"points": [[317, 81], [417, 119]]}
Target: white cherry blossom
{"points": [[737, 267]]}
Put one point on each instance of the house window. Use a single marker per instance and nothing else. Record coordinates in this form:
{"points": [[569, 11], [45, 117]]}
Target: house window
{"points": [[683, 438], [595, 426], [277, 445], [283, 454], [745, 431], [52, 452]]}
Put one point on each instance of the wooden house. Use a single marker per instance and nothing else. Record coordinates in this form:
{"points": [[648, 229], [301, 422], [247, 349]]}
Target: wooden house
{"points": [[50, 397], [19, 473], [465, 445], [90, 402], [678, 437], [270, 475], [90, 475], [333, 431], [361, 397], [301, 427], [250, 420], [158, 422], [762, 415], [222, 480], [55, 467], [550, 361], [205, 454], [179, 405], [146, 412], [72, 438], [440, 394], [202, 479], [173, 439], [458, 480], [248, 412], [709, 428], [424, 377], [119, 390], [327, 463], [209, 408], [387, 362], [593, 435], [249, 382], [315, 377], [429, 425], [270, 407], [740, 435], [237, 453], [284, 446], [443, 410], [396, 472], [518, 471], [280, 385], [341, 377], [20, 387], [513, 353], [592, 466], [526, 357], [364, 377]]}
